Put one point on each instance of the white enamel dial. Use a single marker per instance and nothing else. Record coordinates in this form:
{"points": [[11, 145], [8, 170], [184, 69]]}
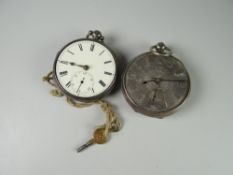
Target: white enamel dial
{"points": [[85, 68]]}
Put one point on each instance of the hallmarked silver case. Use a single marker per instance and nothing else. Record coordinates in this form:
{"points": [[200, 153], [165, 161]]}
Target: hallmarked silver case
{"points": [[156, 83], [92, 36]]}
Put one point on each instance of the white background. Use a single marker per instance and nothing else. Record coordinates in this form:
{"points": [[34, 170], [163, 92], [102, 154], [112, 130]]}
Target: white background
{"points": [[39, 133]]}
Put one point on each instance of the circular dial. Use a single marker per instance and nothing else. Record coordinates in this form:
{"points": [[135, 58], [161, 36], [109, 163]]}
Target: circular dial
{"points": [[155, 85], [85, 69]]}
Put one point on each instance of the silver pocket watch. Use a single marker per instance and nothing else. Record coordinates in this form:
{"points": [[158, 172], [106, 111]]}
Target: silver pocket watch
{"points": [[86, 69], [156, 83]]}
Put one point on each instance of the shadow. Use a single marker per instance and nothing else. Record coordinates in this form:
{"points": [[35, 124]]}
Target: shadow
{"points": [[121, 63]]}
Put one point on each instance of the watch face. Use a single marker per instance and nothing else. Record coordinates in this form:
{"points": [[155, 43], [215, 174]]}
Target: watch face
{"points": [[85, 70], [155, 85]]}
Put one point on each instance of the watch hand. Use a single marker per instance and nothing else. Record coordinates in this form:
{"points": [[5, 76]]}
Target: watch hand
{"points": [[85, 67], [171, 79], [81, 82], [158, 80], [155, 80]]}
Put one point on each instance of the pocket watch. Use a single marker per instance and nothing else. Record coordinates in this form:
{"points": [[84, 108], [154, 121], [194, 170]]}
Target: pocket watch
{"points": [[85, 69], [156, 83]]}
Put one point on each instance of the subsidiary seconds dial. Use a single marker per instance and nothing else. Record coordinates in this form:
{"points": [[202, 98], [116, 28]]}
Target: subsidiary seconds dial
{"points": [[85, 70]]}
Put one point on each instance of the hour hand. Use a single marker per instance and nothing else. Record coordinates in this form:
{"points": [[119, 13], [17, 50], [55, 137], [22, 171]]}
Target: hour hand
{"points": [[154, 80]]}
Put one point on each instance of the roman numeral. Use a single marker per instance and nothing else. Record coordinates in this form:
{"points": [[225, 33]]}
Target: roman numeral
{"points": [[93, 90], [106, 62], [101, 52], [92, 47], [63, 62], [63, 73], [80, 47], [72, 53], [102, 83], [107, 73], [68, 84]]}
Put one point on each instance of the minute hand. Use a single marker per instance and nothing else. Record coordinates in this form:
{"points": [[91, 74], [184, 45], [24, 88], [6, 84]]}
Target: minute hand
{"points": [[85, 67], [162, 79], [158, 80]]}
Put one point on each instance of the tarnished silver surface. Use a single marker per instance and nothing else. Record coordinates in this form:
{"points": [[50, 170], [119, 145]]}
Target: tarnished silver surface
{"points": [[155, 84]]}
